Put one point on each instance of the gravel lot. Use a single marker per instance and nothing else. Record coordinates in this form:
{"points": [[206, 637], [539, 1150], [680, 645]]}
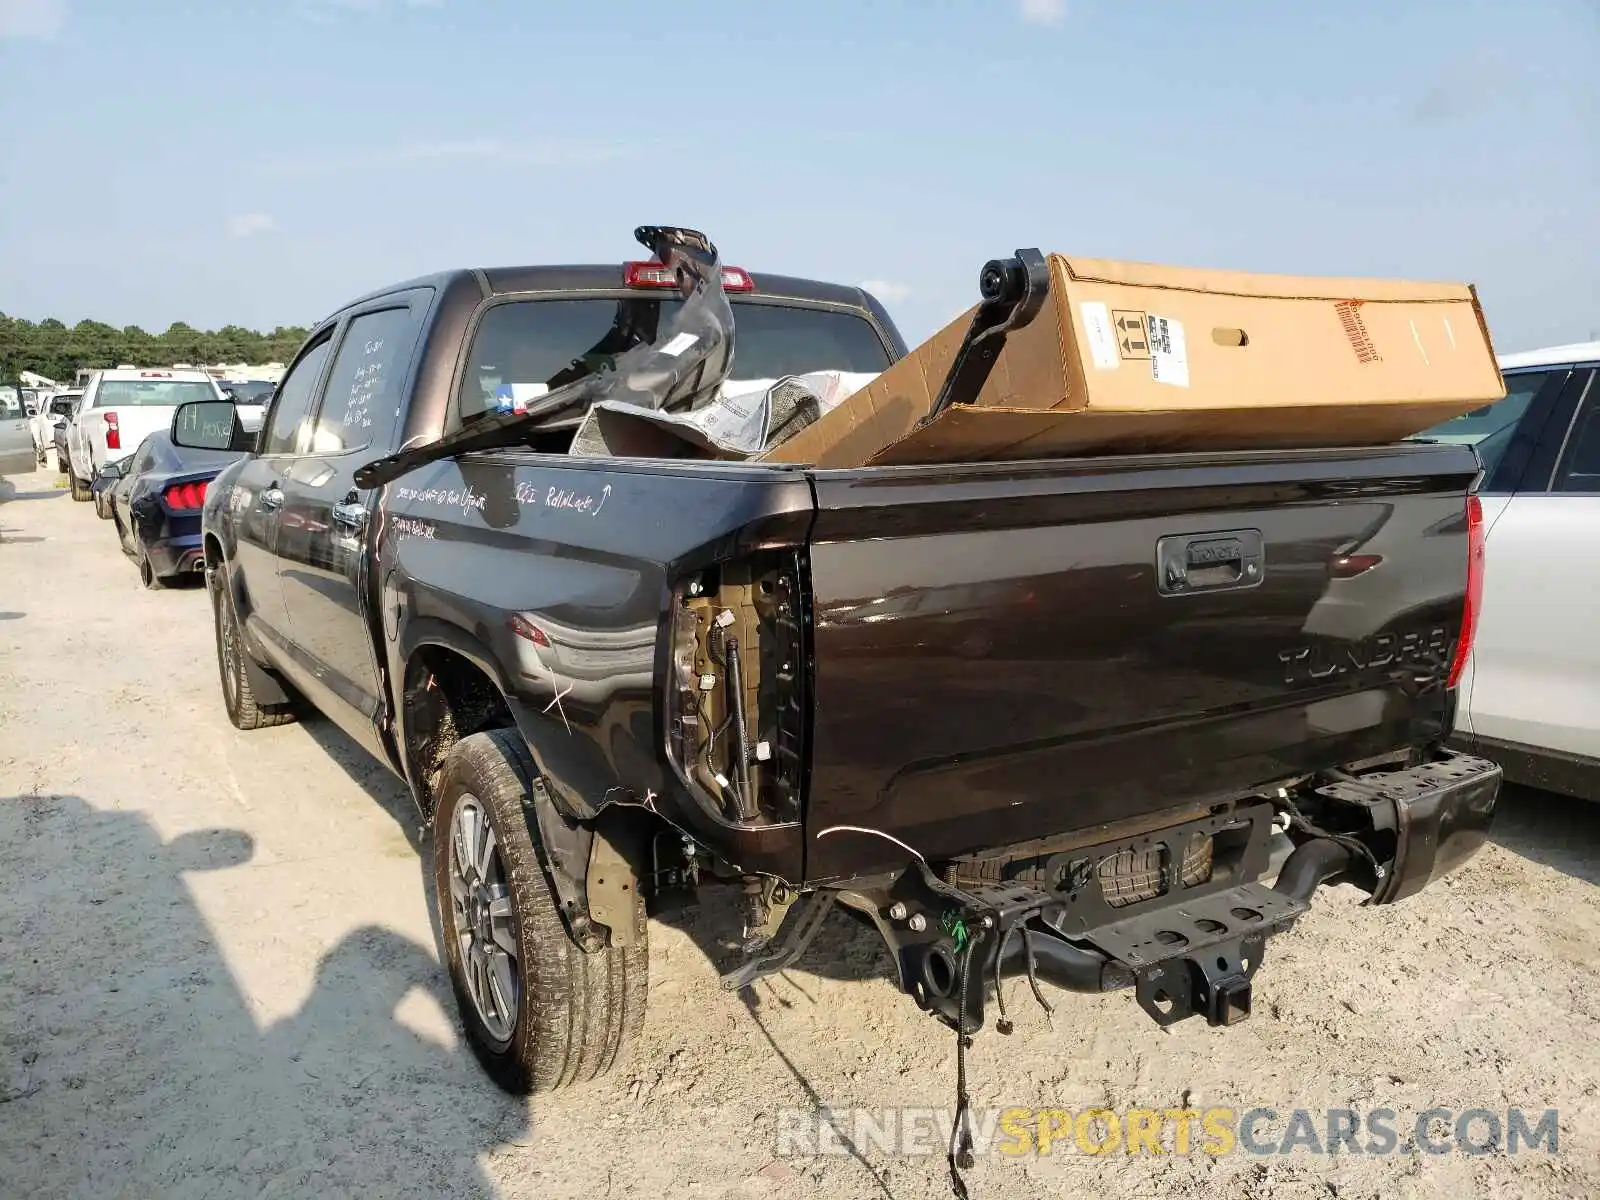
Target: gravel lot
{"points": [[217, 978]]}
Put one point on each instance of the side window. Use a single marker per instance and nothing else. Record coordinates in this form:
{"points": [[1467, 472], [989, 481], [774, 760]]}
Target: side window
{"points": [[292, 403], [141, 460], [1505, 433], [1579, 469], [10, 404], [361, 405]]}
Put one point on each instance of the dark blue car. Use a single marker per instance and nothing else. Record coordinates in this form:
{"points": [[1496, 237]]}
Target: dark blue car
{"points": [[156, 502]]}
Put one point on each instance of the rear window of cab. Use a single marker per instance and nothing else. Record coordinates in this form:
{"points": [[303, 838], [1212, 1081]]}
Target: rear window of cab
{"points": [[525, 348], [151, 393]]}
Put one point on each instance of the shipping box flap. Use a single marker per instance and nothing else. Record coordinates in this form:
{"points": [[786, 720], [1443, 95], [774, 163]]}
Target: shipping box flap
{"points": [[967, 434], [1249, 283], [882, 412]]}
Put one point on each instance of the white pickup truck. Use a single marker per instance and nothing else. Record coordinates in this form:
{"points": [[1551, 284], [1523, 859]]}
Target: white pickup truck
{"points": [[120, 409], [55, 408]]}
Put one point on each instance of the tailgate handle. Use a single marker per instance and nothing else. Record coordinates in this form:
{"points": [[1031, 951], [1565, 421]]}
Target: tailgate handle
{"points": [[1209, 562]]}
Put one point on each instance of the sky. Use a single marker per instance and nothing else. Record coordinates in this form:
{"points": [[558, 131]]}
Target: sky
{"points": [[261, 162]]}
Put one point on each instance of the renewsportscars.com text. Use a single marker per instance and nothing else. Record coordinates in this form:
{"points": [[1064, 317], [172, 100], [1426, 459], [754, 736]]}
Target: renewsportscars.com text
{"points": [[1179, 1131]]}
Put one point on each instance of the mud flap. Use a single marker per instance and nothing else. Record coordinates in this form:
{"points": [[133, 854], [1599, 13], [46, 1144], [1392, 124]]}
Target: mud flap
{"points": [[590, 869], [615, 898]]}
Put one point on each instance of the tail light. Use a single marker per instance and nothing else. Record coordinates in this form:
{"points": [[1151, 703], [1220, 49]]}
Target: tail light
{"points": [[655, 275], [183, 497], [524, 628], [1474, 601], [113, 434]]}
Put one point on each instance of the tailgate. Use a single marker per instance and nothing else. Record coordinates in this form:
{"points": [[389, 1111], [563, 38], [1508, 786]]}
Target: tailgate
{"points": [[1010, 651], [135, 422]]}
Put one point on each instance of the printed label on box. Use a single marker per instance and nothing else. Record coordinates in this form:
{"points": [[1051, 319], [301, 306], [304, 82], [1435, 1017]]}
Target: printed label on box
{"points": [[1169, 356], [1102, 342], [1132, 340], [679, 344]]}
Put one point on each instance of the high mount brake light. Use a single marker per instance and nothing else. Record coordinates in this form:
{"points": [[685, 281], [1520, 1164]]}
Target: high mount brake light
{"points": [[656, 275], [1474, 601]]}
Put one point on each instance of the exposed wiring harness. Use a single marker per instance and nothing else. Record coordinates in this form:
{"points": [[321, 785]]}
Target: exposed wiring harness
{"points": [[961, 1156], [1298, 820], [961, 1129], [709, 746]]}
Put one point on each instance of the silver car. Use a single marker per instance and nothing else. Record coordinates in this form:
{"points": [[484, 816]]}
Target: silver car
{"points": [[16, 440]]}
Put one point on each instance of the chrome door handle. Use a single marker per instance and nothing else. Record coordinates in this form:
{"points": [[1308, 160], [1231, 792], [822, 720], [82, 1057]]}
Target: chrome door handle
{"points": [[272, 498], [350, 515]]}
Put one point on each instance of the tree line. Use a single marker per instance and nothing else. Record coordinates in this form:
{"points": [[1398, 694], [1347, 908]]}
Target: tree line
{"points": [[56, 349]]}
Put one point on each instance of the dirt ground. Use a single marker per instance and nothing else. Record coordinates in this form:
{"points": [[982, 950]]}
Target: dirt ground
{"points": [[217, 978]]}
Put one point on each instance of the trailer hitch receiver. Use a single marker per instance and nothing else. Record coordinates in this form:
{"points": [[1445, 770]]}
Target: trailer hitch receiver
{"points": [[1213, 983]]}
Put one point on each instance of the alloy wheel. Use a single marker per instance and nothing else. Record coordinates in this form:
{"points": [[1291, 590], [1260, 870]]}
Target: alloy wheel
{"points": [[484, 924], [228, 647]]}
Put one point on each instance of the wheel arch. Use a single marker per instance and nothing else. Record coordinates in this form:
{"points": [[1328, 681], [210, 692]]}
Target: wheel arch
{"points": [[449, 689]]}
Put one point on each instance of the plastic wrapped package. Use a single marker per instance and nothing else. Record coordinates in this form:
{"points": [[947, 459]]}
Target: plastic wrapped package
{"points": [[742, 419]]}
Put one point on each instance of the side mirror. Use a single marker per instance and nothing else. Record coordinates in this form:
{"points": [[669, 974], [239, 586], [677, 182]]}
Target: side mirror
{"points": [[209, 425], [112, 470]]}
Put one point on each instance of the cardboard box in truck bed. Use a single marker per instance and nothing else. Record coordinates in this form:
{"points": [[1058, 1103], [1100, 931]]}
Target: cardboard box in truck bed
{"points": [[1129, 357]]}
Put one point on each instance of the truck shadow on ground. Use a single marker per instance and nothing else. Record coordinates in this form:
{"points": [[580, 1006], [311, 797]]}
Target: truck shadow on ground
{"points": [[131, 1062], [388, 792], [846, 948], [1560, 831], [381, 785]]}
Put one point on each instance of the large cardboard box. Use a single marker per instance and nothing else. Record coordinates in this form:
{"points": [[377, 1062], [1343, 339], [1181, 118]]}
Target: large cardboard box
{"points": [[1130, 357]]}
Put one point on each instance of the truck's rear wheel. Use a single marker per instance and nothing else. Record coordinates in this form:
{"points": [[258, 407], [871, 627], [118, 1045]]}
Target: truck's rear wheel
{"points": [[539, 1013], [237, 695], [80, 489]]}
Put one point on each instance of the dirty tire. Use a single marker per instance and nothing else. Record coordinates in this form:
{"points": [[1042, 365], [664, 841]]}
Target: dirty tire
{"points": [[80, 489], [578, 1014], [237, 697]]}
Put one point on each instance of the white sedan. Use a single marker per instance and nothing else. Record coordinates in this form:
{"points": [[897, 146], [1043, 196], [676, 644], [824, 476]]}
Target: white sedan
{"points": [[1530, 698]]}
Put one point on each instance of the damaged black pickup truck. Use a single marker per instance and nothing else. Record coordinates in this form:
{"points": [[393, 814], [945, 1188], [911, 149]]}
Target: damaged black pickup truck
{"points": [[1106, 722]]}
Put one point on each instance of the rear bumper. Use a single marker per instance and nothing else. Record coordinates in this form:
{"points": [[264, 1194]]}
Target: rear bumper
{"points": [[1193, 949], [182, 555], [1441, 812]]}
